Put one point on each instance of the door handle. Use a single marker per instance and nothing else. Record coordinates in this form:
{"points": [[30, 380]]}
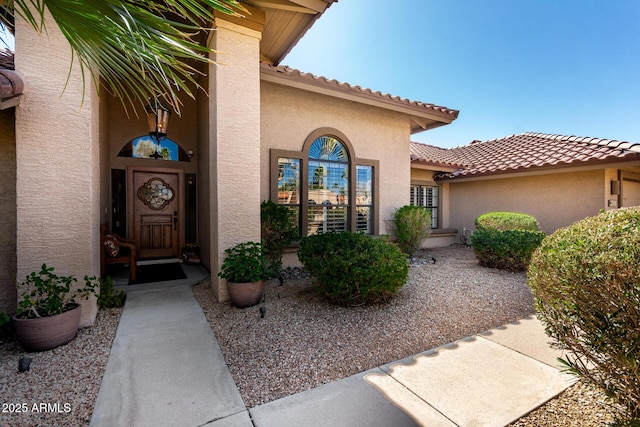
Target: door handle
{"points": [[175, 220]]}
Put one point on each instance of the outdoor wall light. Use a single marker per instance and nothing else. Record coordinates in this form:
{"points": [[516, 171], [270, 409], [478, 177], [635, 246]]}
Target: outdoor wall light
{"points": [[158, 121]]}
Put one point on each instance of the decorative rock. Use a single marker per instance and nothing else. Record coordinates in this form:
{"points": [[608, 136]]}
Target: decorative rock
{"points": [[24, 364]]}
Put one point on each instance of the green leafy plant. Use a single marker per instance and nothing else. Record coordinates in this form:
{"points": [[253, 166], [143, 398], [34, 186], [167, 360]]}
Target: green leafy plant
{"points": [[413, 225], [505, 249], [506, 240], [44, 293], [4, 318], [587, 292], [109, 296], [354, 268], [278, 231], [244, 262], [506, 221]]}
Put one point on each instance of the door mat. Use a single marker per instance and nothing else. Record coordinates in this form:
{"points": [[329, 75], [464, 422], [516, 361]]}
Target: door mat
{"points": [[159, 273]]}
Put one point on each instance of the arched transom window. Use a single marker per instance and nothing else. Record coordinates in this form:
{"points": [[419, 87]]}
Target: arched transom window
{"points": [[325, 186], [328, 186]]}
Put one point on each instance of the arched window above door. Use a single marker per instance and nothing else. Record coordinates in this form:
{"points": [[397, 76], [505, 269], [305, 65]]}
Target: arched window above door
{"points": [[144, 147]]}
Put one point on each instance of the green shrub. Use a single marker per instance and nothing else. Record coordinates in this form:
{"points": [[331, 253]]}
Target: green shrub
{"points": [[505, 249], [110, 297], [587, 289], [413, 225], [278, 231], [506, 221], [506, 240], [354, 268]]}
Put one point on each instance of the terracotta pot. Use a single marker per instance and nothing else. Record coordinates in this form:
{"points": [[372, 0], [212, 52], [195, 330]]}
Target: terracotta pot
{"points": [[245, 294], [45, 333]]}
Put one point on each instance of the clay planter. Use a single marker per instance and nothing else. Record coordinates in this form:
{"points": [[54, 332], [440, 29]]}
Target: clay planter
{"points": [[245, 294], [45, 333]]}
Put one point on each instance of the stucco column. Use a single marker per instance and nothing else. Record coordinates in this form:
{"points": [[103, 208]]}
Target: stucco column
{"points": [[57, 161], [234, 141]]}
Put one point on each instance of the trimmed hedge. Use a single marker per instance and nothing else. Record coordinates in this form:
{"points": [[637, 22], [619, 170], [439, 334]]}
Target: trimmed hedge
{"points": [[506, 221], [506, 249], [586, 284], [506, 240], [354, 268]]}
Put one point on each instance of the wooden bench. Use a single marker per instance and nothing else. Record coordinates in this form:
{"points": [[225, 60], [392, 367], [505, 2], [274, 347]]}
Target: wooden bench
{"points": [[126, 252]]}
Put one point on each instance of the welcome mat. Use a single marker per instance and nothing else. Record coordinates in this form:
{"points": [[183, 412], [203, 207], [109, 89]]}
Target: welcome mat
{"points": [[159, 273]]}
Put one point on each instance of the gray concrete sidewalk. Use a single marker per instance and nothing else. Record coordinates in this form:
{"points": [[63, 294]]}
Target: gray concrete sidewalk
{"points": [[487, 380], [165, 366], [166, 369]]}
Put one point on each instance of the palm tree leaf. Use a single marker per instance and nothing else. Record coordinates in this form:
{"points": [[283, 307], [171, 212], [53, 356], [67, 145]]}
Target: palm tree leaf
{"points": [[134, 49]]}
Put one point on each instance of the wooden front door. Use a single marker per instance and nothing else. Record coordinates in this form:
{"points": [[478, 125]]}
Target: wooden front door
{"points": [[156, 211]]}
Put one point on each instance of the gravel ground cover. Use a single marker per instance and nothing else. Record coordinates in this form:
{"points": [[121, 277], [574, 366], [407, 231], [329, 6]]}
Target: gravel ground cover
{"points": [[304, 341], [61, 386]]}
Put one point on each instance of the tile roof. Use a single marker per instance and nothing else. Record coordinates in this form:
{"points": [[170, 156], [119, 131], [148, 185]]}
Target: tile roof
{"points": [[435, 156], [293, 74], [11, 84], [522, 152]]}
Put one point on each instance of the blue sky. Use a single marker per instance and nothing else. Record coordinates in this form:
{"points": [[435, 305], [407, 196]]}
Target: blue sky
{"points": [[568, 67], [510, 66]]}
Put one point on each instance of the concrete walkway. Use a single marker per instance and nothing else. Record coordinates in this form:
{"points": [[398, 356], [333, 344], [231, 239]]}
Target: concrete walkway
{"points": [[166, 369]]}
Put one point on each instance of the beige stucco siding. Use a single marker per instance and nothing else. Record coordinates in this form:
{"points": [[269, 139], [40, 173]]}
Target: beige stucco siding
{"points": [[7, 211], [421, 176], [556, 200], [234, 143], [289, 116], [57, 160]]}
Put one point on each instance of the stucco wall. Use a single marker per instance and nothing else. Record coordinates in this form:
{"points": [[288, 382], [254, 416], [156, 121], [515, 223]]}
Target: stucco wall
{"points": [[57, 160], [556, 200], [234, 143], [289, 115], [7, 211]]}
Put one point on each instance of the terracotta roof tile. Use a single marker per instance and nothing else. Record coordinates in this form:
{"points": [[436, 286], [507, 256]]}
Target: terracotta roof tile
{"points": [[295, 74], [432, 155], [11, 84], [523, 152]]}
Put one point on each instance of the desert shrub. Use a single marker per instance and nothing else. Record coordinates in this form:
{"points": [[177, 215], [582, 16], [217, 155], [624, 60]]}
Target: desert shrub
{"points": [[506, 240], [278, 231], [354, 268], [505, 249], [506, 221], [413, 225], [587, 292]]}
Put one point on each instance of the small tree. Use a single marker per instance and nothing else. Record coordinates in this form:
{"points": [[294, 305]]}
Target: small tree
{"points": [[278, 231], [413, 225]]}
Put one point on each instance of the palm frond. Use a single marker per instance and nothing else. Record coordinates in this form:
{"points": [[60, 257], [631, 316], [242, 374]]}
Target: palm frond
{"points": [[139, 49]]}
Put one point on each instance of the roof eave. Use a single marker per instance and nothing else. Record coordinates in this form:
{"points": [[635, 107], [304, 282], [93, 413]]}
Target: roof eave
{"points": [[434, 166], [542, 169], [6, 103], [418, 114]]}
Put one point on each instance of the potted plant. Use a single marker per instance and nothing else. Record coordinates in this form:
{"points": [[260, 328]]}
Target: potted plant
{"points": [[244, 268], [48, 314]]}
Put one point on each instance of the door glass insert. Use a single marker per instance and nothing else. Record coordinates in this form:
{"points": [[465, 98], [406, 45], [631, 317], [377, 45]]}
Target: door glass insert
{"points": [[156, 193]]}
